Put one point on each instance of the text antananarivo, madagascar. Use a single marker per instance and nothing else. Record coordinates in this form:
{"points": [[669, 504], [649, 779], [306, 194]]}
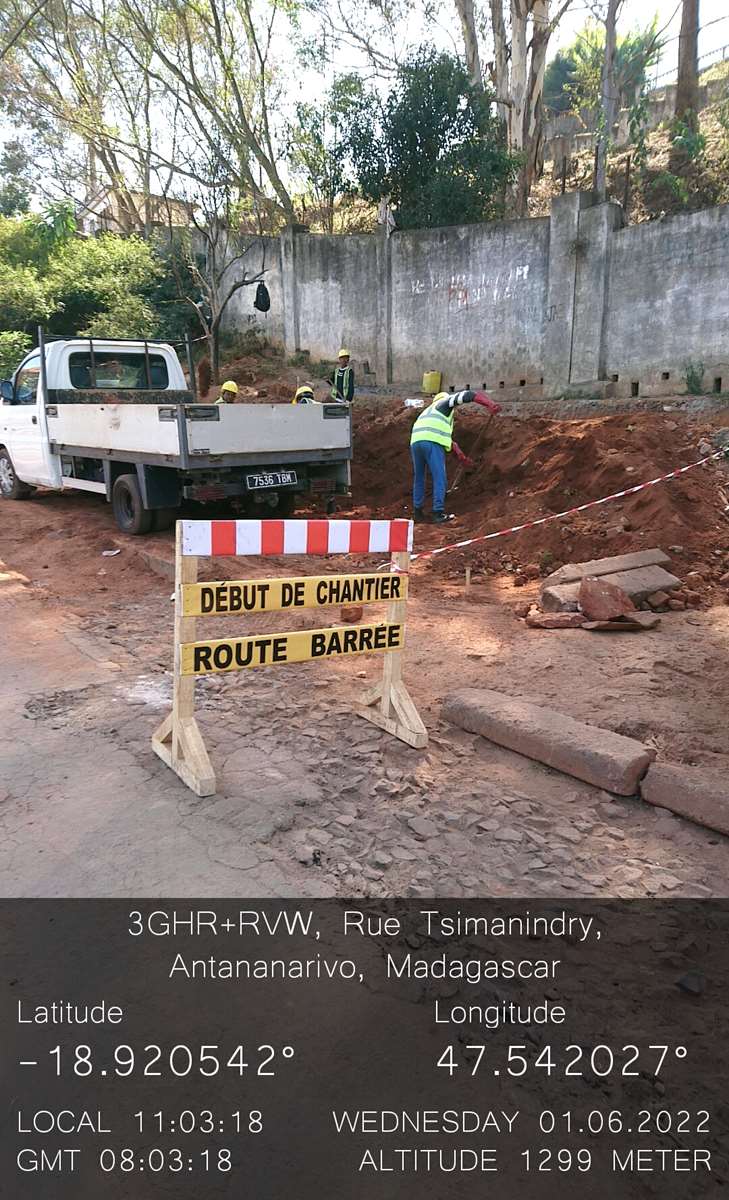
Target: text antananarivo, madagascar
{"points": [[198, 658], [268, 595]]}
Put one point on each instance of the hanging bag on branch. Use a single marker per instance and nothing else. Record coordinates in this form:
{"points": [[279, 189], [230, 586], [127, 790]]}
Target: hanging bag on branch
{"points": [[262, 301]]}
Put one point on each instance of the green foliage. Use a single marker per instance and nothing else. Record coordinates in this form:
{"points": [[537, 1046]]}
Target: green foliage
{"points": [[29, 240], [580, 67], [102, 285], [15, 186], [317, 150], [23, 298], [13, 345], [99, 286], [690, 141], [434, 148], [694, 376], [559, 80], [174, 315], [677, 187]]}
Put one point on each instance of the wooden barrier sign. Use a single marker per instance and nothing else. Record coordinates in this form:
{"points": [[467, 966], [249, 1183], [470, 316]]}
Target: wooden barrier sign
{"points": [[178, 740], [275, 595]]}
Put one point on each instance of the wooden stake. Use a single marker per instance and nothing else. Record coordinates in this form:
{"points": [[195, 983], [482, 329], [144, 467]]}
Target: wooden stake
{"points": [[395, 710], [468, 579], [178, 741]]}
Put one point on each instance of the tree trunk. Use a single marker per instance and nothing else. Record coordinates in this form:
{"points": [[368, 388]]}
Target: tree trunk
{"points": [[533, 111], [609, 98], [500, 69], [214, 352], [470, 41], [687, 90]]}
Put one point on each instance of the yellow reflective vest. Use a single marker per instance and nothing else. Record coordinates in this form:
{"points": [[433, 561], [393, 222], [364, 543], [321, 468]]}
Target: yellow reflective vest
{"points": [[433, 426]]}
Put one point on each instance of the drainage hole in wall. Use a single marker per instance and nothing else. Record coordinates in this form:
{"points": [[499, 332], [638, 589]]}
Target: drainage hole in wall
{"points": [[666, 375], [615, 378], [717, 383], [522, 383], [501, 383], [635, 388]]}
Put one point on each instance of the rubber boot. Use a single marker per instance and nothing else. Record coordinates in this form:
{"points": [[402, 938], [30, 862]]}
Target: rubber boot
{"points": [[439, 518], [419, 516]]}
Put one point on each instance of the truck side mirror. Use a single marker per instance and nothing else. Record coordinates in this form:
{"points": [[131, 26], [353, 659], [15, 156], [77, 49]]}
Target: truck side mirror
{"points": [[7, 391]]}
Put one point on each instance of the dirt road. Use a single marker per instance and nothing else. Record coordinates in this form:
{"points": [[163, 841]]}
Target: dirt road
{"points": [[312, 800]]}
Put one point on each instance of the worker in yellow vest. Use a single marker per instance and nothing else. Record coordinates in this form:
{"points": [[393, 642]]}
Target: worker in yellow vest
{"points": [[431, 440], [342, 379]]}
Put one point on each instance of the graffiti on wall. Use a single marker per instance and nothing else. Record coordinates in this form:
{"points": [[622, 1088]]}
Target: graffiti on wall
{"points": [[464, 290]]}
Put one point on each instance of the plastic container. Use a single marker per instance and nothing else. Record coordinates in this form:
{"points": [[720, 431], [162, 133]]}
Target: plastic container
{"points": [[431, 382]]}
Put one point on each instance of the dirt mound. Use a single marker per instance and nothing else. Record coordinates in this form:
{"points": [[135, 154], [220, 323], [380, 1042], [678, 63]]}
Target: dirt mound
{"points": [[266, 379], [528, 469]]}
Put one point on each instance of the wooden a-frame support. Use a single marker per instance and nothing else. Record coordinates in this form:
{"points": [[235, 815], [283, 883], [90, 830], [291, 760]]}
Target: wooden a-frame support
{"points": [[395, 709], [178, 740]]}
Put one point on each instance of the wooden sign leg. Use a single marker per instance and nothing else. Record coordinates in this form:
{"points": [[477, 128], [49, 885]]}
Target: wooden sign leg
{"points": [[178, 740], [395, 709]]}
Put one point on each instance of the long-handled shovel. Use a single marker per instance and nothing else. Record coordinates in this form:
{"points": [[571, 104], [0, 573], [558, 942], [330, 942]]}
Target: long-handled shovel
{"points": [[478, 444]]}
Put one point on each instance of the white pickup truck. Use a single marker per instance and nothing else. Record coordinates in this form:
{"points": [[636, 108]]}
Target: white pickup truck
{"points": [[115, 417]]}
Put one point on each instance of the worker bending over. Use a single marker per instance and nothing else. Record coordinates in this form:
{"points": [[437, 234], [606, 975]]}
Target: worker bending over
{"points": [[228, 392], [431, 440], [342, 379]]}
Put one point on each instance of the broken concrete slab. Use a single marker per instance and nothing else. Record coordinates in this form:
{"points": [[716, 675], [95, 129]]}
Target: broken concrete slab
{"points": [[607, 566], [640, 583], [699, 795], [598, 756]]}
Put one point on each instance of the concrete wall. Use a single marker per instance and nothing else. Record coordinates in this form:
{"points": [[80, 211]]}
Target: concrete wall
{"points": [[240, 313], [337, 285], [569, 300], [470, 301], [668, 299]]}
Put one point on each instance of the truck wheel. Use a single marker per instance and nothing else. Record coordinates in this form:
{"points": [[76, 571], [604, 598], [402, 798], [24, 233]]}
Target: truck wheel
{"points": [[126, 500], [164, 518], [11, 488]]}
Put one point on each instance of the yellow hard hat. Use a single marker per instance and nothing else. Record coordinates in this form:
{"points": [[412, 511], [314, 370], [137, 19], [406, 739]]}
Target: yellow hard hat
{"points": [[343, 354], [305, 390], [229, 386]]}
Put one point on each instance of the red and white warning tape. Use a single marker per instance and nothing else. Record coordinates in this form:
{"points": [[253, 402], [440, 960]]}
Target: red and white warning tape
{"points": [[639, 487]]}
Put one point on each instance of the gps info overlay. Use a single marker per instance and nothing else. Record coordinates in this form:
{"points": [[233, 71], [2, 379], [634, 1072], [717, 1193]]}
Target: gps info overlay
{"points": [[424, 1048]]}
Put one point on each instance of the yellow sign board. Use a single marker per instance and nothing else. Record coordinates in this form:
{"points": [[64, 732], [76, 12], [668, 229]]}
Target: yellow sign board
{"points": [[274, 595], [268, 650]]}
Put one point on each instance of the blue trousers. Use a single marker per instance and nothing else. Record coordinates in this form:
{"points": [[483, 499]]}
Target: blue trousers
{"points": [[430, 456]]}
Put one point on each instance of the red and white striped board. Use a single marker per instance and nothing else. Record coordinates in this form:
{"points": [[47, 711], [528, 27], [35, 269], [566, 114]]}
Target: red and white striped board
{"points": [[237, 538]]}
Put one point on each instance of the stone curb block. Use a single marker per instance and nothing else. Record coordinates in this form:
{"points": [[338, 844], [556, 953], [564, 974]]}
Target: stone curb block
{"points": [[572, 572], [598, 756], [700, 796]]}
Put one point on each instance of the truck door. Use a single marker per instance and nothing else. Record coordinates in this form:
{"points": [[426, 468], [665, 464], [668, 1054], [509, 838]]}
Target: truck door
{"points": [[23, 426]]}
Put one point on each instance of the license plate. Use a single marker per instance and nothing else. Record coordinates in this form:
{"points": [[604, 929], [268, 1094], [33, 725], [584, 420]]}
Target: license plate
{"points": [[270, 479]]}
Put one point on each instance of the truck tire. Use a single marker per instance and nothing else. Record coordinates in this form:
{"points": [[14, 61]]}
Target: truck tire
{"points": [[129, 512], [12, 488]]}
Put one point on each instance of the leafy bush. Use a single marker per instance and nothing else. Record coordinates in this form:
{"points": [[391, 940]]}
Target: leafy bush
{"points": [[691, 141], [672, 183], [13, 345], [434, 147]]}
